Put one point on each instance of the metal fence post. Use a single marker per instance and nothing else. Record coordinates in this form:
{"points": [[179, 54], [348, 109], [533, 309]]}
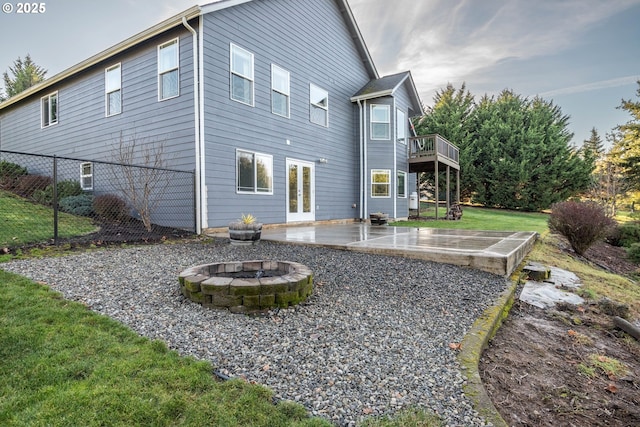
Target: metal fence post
{"points": [[55, 200]]}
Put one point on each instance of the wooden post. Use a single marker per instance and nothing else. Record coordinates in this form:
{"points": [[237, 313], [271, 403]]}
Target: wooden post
{"points": [[458, 186], [437, 190], [448, 189]]}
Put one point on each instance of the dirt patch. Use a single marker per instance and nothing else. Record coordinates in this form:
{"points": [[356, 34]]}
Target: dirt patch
{"points": [[567, 366]]}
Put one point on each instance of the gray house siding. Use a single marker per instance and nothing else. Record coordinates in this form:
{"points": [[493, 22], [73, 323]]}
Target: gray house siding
{"points": [[310, 39], [84, 132]]}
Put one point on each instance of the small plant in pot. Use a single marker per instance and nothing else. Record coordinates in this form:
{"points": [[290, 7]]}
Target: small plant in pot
{"points": [[245, 231]]}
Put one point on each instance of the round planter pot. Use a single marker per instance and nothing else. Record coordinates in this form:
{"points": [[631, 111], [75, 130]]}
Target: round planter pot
{"points": [[245, 237]]}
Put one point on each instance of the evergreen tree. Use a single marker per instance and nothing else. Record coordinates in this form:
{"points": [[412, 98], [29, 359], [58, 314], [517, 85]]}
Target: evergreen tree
{"points": [[626, 148], [593, 145], [24, 75], [450, 117], [523, 157]]}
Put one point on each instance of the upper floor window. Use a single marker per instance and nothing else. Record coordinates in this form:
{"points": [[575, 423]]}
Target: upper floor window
{"points": [[380, 122], [241, 75], [254, 172], [49, 109], [280, 91], [86, 176], [319, 100], [401, 126], [168, 70], [113, 90]]}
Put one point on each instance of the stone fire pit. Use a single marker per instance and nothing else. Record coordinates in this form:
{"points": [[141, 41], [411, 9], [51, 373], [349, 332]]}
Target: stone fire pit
{"points": [[247, 286]]}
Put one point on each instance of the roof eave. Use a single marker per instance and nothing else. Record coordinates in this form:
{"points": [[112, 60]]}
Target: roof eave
{"points": [[371, 95], [106, 54], [367, 60]]}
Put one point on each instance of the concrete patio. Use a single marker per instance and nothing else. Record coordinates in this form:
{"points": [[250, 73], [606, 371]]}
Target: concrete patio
{"points": [[497, 252]]}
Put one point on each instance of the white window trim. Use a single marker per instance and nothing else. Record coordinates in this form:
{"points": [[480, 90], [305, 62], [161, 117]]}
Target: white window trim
{"points": [[255, 175], [405, 185], [388, 122], [388, 183], [107, 92], [83, 176], [162, 72], [326, 108], [42, 124], [250, 78], [404, 126], [287, 94]]}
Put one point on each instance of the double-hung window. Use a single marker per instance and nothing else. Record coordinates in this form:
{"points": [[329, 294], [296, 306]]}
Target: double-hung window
{"points": [[402, 184], [254, 172], [380, 183], [380, 122], [280, 91], [241, 75], [319, 100], [401, 126], [86, 176], [49, 109], [113, 90], [168, 70]]}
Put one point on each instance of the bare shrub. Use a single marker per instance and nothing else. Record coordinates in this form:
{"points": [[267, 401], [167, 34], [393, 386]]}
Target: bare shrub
{"points": [[143, 186], [582, 223], [9, 174], [29, 184], [111, 207]]}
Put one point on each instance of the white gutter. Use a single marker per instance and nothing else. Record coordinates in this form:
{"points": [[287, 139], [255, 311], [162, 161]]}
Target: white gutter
{"points": [[114, 50], [196, 118]]}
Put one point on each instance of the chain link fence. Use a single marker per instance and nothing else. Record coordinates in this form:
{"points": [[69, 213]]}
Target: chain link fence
{"points": [[50, 199]]}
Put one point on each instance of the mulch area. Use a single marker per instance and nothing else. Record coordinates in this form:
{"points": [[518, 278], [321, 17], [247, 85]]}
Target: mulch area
{"points": [[552, 367]]}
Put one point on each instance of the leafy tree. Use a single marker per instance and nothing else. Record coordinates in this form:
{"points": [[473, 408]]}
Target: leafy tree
{"points": [[24, 74], [626, 148]]}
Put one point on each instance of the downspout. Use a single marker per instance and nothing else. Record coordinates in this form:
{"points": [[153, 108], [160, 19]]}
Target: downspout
{"points": [[365, 194], [361, 158], [196, 106], [395, 160]]}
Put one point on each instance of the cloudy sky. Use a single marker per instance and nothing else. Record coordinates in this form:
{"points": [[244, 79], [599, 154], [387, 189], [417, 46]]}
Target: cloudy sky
{"points": [[582, 54]]}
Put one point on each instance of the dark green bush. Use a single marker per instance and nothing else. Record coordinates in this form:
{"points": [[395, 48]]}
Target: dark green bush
{"points": [[629, 233], [66, 188], [633, 252], [81, 204], [29, 184], [111, 207], [9, 174], [582, 223]]}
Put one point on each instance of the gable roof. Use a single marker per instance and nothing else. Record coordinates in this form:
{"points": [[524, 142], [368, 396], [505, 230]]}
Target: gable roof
{"points": [[387, 86], [176, 21]]}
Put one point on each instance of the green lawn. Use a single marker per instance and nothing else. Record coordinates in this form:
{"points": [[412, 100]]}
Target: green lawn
{"points": [[63, 365], [475, 218], [23, 222]]}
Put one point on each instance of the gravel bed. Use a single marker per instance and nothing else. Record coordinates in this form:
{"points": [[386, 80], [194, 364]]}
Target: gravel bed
{"points": [[372, 339]]}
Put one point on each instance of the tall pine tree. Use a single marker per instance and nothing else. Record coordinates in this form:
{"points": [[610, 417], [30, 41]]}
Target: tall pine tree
{"points": [[517, 151], [627, 146], [450, 117], [24, 75]]}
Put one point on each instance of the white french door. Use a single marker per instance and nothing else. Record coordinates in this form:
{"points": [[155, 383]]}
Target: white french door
{"points": [[300, 191]]}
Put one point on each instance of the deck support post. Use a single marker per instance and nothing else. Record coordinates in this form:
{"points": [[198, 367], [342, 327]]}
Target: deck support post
{"points": [[437, 189]]}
